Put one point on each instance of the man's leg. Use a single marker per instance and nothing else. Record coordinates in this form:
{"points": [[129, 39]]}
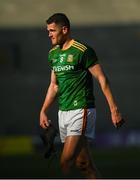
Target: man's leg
{"points": [[69, 153], [84, 161], [76, 151]]}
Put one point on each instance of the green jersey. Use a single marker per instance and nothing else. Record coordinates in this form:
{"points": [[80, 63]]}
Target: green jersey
{"points": [[75, 83]]}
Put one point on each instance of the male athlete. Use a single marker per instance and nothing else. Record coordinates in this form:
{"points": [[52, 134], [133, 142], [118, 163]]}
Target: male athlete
{"points": [[73, 65]]}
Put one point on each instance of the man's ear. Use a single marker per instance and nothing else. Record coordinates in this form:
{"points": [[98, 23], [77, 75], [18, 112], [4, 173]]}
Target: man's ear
{"points": [[65, 29]]}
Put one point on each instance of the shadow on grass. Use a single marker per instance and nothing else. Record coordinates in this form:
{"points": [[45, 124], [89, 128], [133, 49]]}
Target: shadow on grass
{"points": [[112, 163]]}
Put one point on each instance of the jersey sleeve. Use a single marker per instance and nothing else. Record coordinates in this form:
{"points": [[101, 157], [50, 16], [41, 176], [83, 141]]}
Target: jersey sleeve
{"points": [[50, 61], [89, 58]]}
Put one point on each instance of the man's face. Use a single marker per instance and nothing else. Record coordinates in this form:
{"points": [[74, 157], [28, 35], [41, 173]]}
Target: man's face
{"points": [[57, 33]]}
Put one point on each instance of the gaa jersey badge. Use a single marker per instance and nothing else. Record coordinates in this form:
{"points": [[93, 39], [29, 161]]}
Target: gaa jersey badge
{"points": [[70, 58]]}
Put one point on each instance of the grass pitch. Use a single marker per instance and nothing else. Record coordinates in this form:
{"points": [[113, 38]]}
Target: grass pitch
{"points": [[112, 163]]}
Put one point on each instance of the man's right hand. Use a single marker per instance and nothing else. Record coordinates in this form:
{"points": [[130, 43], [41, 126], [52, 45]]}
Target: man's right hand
{"points": [[44, 122]]}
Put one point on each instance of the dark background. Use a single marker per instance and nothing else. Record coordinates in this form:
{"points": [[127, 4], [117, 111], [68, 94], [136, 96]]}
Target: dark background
{"points": [[112, 28], [25, 73]]}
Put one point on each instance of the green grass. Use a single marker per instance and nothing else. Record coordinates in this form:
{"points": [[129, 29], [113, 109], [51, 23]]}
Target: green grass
{"points": [[118, 163], [112, 163]]}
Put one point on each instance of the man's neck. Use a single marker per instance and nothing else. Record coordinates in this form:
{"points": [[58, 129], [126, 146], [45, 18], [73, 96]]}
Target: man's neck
{"points": [[67, 44]]}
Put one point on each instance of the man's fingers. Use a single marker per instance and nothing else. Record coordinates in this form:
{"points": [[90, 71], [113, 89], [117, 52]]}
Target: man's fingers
{"points": [[44, 125]]}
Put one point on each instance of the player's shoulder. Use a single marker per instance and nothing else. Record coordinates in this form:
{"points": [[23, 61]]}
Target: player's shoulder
{"points": [[54, 48], [80, 45]]}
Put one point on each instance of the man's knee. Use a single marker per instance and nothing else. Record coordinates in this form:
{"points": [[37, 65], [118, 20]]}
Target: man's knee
{"points": [[87, 168], [82, 164]]}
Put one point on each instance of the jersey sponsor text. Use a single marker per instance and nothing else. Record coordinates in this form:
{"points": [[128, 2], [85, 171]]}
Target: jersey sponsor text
{"points": [[63, 68]]}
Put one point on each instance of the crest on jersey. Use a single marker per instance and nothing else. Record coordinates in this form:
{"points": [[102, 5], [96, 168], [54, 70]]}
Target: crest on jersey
{"points": [[70, 58]]}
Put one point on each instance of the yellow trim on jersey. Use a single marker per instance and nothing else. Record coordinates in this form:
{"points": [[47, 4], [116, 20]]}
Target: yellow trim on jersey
{"points": [[82, 45], [54, 48], [79, 46]]}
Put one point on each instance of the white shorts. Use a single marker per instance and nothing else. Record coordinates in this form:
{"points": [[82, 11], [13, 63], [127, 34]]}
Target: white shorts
{"points": [[77, 122]]}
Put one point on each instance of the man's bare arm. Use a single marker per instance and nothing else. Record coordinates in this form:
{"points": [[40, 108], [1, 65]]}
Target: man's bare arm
{"points": [[98, 73], [49, 99]]}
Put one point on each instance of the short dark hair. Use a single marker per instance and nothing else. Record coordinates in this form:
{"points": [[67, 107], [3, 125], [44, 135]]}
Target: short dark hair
{"points": [[59, 18]]}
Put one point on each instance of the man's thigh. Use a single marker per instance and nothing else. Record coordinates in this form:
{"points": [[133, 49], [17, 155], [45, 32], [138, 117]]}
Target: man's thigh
{"points": [[74, 146]]}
